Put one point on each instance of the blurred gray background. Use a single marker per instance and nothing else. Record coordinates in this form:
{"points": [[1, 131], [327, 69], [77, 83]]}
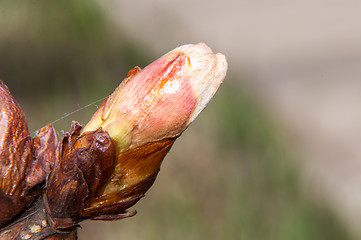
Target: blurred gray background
{"points": [[275, 155]]}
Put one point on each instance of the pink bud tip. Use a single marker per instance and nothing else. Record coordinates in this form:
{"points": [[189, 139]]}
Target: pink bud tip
{"points": [[161, 100]]}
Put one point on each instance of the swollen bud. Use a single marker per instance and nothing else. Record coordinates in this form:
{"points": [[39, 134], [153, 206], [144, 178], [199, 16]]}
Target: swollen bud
{"points": [[106, 167], [157, 104], [161, 100]]}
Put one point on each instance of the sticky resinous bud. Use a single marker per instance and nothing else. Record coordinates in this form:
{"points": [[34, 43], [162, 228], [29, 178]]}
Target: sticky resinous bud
{"points": [[83, 166], [23, 166], [106, 167]]}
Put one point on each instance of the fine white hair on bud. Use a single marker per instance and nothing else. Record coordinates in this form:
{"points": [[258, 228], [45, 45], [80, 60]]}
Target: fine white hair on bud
{"points": [[209, 70]]}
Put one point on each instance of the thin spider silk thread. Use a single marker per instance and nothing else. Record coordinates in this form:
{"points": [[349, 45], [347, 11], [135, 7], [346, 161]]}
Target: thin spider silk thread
{"points": [[71, 113], [59, 119], [79, 109]]}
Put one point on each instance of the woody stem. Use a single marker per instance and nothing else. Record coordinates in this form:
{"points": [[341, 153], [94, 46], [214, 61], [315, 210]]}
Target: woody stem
{"points": [[34, 225]]}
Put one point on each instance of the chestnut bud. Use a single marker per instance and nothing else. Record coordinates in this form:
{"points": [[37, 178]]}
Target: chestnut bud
{"points": [[20, 172], [153, 106], [105, 168]]}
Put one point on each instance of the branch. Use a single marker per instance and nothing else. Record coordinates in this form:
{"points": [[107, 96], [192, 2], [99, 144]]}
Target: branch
{"points": [[34, 224]]}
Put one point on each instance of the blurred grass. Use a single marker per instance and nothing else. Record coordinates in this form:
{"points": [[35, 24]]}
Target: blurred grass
{"points": [[61, 55], [266, 190], [229, 176], [236, 181]]}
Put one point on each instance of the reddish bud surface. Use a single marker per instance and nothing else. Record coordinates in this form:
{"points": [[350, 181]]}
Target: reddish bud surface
{"points": [[105, 168]]}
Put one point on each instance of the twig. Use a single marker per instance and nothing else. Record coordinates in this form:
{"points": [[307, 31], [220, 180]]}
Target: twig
{"points": [[34, 224]]}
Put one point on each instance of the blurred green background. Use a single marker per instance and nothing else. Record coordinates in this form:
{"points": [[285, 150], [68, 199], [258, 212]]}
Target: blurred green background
{"points": [[230, 175]]}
